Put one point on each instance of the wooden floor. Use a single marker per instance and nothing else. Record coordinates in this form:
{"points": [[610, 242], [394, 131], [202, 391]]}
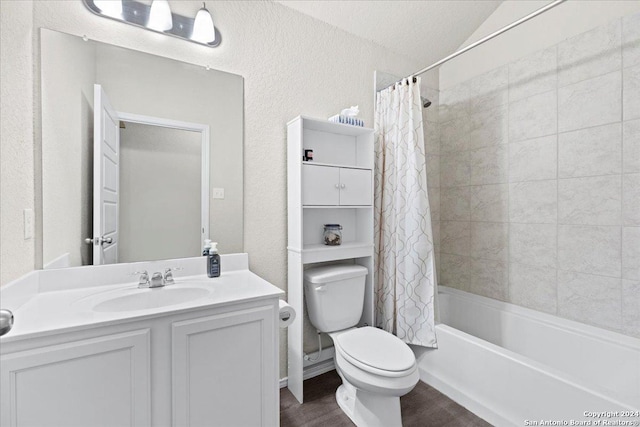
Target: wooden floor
{"points": [[424, 406]]}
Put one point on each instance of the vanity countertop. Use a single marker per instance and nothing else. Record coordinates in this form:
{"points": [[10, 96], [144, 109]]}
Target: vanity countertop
{"points": [[71, 309]]}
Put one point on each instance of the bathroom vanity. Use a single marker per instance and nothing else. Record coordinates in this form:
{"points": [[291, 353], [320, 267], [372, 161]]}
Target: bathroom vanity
{"points": [[86, 350]]}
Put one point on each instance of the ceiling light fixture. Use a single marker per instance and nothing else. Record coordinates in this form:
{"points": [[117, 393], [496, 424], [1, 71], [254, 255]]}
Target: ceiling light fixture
{"points": [[156, 15], [203, 28], [160, 18], [111, 8]]}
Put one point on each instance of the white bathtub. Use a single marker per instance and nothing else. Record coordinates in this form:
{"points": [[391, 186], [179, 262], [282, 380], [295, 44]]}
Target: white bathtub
{"points": [[509, 364]]}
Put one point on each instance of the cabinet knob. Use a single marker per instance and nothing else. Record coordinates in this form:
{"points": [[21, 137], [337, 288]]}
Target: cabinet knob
{"points": [[337, 185], [343, 186]]}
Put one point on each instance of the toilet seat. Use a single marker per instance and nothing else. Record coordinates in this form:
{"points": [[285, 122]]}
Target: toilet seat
{"points": [[375, 351]]}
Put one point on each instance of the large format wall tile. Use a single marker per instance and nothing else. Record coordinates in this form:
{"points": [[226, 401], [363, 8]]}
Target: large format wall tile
{"points": [[534, 202], [590, 102], [434, 202], [489, 203], [631, 99], [542, 168], [631, 40], [591, 201], [489, 240], [590, 249], [454, 169], [533, 159], [631, 253], [454, 204], [454, 134], [533, 244], [631, 199], [533, 74], [590, 54], [431, 136], [488, 165], [488, 278], [533, 287], [631, 307], [631, 146], [488, 90], [455, 237], [589, 152], [533, 117], [454, 271], [433, 170], [595, 300], [488, 127]]}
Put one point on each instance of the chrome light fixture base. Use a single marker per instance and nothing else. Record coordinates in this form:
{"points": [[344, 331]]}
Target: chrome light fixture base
{"points": [[137, 13]]}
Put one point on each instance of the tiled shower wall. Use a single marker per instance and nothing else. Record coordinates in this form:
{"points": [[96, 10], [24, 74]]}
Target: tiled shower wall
{"points": [[539, 180]]}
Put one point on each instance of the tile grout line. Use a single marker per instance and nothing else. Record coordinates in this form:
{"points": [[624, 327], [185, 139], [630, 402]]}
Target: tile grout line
{"points": [[557, 261], [621, 169]]}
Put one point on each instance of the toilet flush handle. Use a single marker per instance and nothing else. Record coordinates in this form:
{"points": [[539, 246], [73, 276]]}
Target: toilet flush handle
{"points": [[321, 288]]}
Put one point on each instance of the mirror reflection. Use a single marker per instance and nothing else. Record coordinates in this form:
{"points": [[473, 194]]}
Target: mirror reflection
{"points": [[135, 147]]}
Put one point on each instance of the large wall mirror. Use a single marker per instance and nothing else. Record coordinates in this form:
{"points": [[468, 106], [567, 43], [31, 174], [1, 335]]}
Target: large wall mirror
{"points": [[141, 155]]}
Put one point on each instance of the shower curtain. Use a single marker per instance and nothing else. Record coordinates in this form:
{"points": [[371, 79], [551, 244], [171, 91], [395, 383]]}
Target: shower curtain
{"points": [[405, 264]]}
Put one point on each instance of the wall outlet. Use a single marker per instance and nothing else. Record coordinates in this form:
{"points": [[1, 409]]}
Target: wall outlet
{"points": [[217, 193], [27, 215]]}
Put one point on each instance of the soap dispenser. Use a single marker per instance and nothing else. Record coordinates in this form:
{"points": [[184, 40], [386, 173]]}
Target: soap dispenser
{"points": [[207, 246], [213, 261]]}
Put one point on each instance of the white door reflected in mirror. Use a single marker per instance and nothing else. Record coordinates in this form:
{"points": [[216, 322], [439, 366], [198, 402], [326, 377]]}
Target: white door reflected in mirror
{"points": [[151, 181]]}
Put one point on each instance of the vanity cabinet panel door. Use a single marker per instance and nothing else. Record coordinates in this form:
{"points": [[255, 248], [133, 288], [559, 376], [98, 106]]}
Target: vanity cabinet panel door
{"points": [[101, 381], [224, 369], [355, 187], [320, 185]]}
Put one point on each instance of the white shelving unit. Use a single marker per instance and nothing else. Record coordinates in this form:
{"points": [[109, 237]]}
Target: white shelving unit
{"points": [[335, 188]]}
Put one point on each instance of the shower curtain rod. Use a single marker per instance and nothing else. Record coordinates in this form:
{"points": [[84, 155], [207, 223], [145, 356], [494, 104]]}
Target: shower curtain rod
{"points": [[487, 38]]}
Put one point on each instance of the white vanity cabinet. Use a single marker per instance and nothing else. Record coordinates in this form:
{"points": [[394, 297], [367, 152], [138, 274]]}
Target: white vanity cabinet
{"points": [[335, 186], [204, 367], [95, 381], [221, 367]]}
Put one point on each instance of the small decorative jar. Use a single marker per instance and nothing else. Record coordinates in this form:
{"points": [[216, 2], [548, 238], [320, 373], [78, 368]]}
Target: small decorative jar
{"points": [[332, 234]]}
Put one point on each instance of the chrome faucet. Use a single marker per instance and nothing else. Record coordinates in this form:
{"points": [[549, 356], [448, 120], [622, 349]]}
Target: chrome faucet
{"points": [[157, 281], [143, 280], [168, 275]]}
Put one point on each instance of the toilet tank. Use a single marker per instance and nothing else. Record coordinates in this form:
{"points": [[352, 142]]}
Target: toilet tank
{"points": [[335, 296]]}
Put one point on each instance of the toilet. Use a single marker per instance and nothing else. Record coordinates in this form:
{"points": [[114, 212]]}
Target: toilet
{"points": [[376, 367]]}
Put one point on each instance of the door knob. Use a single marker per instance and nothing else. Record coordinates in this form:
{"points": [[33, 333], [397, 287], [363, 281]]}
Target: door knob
{"points": [[99, 241]]}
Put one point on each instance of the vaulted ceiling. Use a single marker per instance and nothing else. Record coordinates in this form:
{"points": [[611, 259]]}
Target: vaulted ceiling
{"points": [[426, 30]]}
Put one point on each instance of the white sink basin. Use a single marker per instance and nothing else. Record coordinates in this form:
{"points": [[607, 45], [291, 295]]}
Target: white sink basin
{"points": [[134, 299]]}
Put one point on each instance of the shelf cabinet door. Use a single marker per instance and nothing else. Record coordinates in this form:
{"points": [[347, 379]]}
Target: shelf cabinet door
{"points": [[225, 369], [355, 187], [320, 185], [102, 381]]}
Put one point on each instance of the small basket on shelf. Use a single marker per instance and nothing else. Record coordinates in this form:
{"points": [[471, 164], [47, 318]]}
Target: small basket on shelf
{"points": [[348, 117]]}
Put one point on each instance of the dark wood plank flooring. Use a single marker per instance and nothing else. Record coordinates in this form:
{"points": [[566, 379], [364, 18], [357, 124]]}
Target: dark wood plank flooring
{"points": [[424, 406]]}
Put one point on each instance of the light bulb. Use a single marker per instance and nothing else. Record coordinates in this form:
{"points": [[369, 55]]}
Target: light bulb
{"points": [[111, 8], [203, 29], [160, 18]]}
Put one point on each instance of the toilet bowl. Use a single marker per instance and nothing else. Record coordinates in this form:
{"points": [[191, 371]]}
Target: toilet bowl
{"points": [[375, 366]]}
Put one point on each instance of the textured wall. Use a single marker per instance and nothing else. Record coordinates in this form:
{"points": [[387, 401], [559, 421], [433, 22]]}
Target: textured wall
{"points": [[540, 180], [292, 64], [16, 137]]}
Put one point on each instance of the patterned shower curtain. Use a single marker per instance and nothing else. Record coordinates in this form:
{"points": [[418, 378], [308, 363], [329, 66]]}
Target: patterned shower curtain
{"points": [[405, 264]]}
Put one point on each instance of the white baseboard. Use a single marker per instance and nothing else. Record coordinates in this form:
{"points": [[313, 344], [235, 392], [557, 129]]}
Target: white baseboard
{"points": [[312, 371]]}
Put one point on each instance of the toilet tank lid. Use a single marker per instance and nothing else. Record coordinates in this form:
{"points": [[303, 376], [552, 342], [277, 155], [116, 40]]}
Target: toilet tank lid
{"points": [[331, 273]]}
